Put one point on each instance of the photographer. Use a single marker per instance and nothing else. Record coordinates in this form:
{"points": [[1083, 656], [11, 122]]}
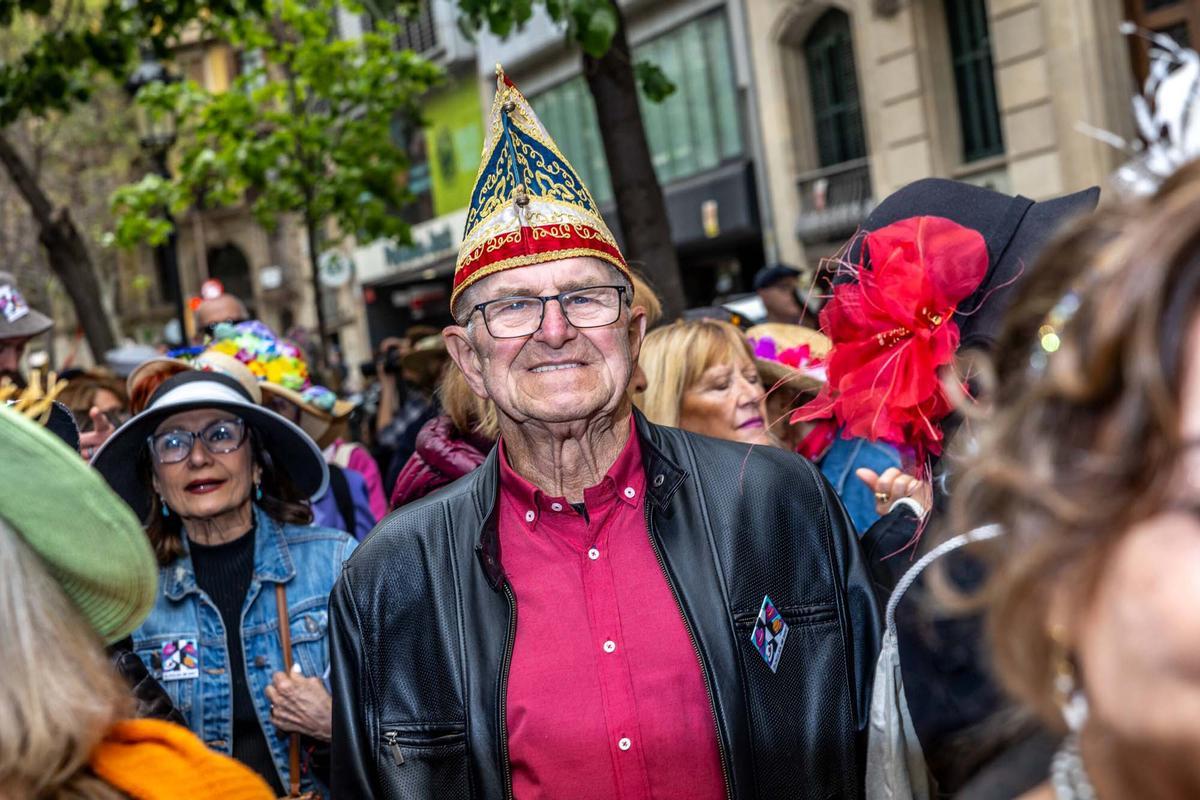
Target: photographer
{"points": [[404, 404]]}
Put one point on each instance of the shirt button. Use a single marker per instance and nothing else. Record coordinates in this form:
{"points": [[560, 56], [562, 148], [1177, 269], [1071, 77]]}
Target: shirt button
{"points": [[556, 506], [658, 481], [529, 515], [625, 744], [630, 492], [610, 646], [593, 554], [260, 661]]}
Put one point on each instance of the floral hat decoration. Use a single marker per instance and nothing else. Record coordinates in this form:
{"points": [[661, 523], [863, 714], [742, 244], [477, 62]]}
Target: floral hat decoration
{"points": [[894, 330], [282, 371], [789, 354]]}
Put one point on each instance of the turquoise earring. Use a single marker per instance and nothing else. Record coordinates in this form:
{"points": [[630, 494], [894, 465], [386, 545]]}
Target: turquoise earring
{"points": [[166, 512], [258, 491]]}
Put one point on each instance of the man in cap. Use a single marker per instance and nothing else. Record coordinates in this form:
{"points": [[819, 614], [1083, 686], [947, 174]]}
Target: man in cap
{"points": [[604, 608], [18, 324], [777, 285]]}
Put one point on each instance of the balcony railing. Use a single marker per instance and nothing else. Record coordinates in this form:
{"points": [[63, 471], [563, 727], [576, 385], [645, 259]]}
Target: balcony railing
{"points": [[834, 201]]}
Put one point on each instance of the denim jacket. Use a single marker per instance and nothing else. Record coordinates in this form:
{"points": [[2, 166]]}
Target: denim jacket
{"points": [[838, 465], [185, 622]]}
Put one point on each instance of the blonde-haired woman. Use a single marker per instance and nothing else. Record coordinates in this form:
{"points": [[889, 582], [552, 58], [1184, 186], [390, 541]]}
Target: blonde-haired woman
{"points": [[67, 732], [701, 376]]}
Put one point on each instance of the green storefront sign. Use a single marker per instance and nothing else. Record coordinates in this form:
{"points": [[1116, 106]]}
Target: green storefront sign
{"points": [[454, 138]]}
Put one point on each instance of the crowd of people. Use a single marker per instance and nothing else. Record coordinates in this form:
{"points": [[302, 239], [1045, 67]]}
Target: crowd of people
{"points": [[566, 548]]}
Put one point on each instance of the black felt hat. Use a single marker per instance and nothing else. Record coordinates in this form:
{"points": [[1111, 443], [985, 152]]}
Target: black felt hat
{"points": [[1014, 228]]}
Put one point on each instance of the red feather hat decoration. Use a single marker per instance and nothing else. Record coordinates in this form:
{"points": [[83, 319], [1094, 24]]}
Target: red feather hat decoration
{"points": [[894, 329]]}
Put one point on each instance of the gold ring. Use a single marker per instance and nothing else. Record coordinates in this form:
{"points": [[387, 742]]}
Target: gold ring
{"points": [[881, 497]]}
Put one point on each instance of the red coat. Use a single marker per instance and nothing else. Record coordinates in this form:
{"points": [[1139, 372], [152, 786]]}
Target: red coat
{"points": [[443, 455]]}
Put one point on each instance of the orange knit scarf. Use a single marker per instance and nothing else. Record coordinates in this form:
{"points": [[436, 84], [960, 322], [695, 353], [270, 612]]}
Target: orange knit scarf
{"points": [[153, 760]]}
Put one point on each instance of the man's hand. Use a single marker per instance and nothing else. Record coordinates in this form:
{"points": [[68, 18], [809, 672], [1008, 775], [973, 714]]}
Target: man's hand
{"points": [[102, 428], [893, 485], [300, 704]]}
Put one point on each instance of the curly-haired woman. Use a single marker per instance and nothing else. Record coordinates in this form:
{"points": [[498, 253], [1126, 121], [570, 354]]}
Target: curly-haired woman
{"points": [[1091, 466]]}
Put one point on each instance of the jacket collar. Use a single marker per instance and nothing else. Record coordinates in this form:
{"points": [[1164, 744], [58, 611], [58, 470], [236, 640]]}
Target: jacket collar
{"points": [[272, 560], [663, 479]]}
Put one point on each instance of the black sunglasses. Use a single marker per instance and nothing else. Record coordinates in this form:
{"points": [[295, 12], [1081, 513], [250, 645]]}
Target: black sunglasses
{"points": [[210, 330]]}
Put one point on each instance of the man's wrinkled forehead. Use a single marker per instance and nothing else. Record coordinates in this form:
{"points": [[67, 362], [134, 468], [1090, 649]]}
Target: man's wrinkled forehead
{"points": [[551, 277]]}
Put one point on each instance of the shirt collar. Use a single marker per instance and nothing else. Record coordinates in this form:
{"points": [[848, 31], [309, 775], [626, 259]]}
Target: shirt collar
{"points": [[624, 481]]}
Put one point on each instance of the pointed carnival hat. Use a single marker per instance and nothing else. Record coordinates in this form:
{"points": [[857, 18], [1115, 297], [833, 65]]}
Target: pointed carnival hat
{"points": [[529, 205]]}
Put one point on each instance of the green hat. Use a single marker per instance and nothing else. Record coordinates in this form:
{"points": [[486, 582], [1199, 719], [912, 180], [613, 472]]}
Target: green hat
{"points": [[86, 535]]}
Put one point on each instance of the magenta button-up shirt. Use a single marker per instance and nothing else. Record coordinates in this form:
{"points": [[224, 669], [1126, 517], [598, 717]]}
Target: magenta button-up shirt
{"points": [[606, 698]]}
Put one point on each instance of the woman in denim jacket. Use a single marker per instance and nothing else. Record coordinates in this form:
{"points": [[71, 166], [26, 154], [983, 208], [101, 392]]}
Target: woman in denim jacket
{"points": [[221, 484]]}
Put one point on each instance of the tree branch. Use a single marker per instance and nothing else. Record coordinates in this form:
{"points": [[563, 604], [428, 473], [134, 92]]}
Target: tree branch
{"points": [[25, 180]]}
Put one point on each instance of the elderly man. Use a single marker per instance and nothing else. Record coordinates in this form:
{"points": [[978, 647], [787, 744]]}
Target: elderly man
{"points": [[605, 608], [18, 324]]}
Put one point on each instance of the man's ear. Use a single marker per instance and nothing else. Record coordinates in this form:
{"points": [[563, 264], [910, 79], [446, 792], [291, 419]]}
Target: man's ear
{"points": [[461, 349], [637, 331]]}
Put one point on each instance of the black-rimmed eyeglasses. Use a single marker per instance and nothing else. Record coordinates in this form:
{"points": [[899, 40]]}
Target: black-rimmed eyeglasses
{"points": [[219, 438], [517, 316]]}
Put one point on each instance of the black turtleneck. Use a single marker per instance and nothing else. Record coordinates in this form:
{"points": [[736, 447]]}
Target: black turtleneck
{"points": [[223, 572]]}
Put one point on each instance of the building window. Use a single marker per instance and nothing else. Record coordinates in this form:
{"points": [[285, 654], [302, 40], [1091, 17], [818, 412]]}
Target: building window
{"points": [[833, 87], [695, 129], [974, 79], [418, 31], [1179, 19]]}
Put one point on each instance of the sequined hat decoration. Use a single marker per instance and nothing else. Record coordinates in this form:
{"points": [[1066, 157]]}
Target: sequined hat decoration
{"points": [[529, 205]]}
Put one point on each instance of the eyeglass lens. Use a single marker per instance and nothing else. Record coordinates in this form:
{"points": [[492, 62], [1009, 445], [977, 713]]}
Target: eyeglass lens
{"points": [[219, 438], [511, 317]]}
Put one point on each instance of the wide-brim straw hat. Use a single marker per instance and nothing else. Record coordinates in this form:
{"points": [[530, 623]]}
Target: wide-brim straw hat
{"points": [[209, 361], [321, 424], [90, 541], [787, 337], [429, 348], [291, 449]]}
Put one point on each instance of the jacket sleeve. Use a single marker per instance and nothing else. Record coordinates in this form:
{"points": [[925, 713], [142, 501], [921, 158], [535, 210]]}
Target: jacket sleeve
{"points": [[862, 605], [153, 702], [887, 546], [362, 463], [353, 743]]}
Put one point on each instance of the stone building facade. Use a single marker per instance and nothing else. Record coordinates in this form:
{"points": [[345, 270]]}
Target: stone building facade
{"points": [[990, 91]]}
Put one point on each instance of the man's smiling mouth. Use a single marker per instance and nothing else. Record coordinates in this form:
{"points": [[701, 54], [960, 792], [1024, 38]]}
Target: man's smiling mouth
{"points": [[554, 367]]}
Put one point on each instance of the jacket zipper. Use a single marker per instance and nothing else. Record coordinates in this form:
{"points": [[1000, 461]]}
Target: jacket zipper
{"points": [[712, 703], [394, 747], [504, 666]]}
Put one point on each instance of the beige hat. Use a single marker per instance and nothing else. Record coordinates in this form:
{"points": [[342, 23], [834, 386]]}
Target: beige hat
{"points": [[321, 424], [788, 337], [164, 367]]}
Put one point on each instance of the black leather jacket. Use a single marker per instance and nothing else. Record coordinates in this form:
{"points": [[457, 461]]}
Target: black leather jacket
{"points": [[423, 622]]}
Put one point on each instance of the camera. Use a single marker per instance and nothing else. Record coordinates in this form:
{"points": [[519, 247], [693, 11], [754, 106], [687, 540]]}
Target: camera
{"points": [[391, 364]]}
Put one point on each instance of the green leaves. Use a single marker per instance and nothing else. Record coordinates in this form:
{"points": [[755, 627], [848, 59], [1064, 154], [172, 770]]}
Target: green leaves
{"points": [[309, 133], [654, 82], [596, 24]]}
